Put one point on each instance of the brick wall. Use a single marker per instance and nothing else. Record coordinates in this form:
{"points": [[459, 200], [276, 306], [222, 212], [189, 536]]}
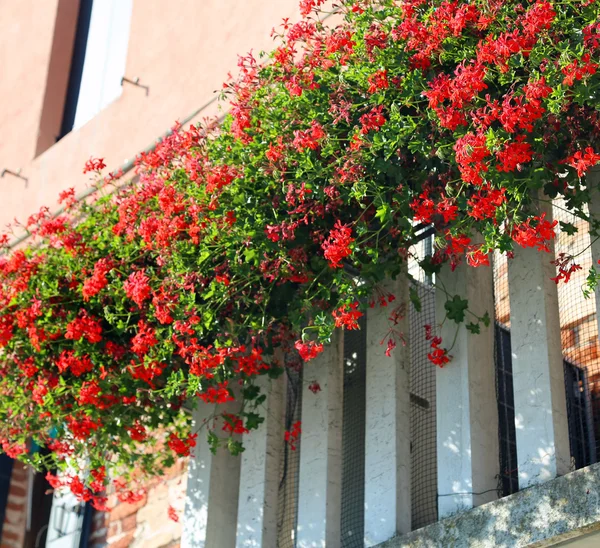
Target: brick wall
{"points": [[144, 524], [13, 530]]}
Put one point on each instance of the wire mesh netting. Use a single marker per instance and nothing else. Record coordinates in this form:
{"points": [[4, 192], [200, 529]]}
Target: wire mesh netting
{"points": [[581, 360], [579, 342], [579, 338], [290, 463], [423, 413], [353, 436]]}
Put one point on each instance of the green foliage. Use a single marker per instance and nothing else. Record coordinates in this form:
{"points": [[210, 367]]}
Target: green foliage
{"points": [[273, 230]]}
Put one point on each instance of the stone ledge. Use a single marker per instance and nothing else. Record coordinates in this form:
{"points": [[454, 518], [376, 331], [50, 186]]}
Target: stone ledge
{"points": [[543, 515]]}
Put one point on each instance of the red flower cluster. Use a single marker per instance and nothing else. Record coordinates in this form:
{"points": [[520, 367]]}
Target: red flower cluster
{"points": [[438, 356], [68, 361], [137, 288], [378, 80], [347, 316], [172, 513], [218, 394], [314, 387], [94, 164], [182, 446], [566, 267], [579, 69], [582, 161], [98, 281], [308, 351], [86, 326], [233, 424], [538, 236], [337, 246], [292, 436], [311, 138]]}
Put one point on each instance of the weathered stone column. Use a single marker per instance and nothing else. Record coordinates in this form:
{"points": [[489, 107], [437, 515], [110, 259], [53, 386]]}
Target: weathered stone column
{"points": [[320, 491], [210, 516], [259, 481], [467, 413], [538, 375], [387, 429]]}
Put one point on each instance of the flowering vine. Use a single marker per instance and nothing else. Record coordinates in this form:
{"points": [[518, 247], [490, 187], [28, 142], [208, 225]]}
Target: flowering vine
{"points": [[275, 228]]}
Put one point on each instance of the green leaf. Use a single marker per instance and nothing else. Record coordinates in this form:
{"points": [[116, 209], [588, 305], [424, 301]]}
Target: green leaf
{"points": [[591, 283], [415, 299], [486, 319], [473, 328], [456, 308], [568, 228], [250, 255], [213, 442], [251, 392], [384, 212], [235, 447], [253, 421]]}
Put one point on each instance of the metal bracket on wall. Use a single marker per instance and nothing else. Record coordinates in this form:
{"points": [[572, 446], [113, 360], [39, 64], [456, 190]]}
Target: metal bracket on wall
{"points": [[135, 82], [14, 174]]}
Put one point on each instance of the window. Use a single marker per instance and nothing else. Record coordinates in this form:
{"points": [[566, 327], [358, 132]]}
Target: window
{"points": [[99, 58]]}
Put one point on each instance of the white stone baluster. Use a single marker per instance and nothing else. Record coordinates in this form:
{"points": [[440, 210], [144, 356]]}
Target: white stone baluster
{"points": [[261, 462], [210, 515], [467, 414], [537, 363], [387, 428], [319, 497]]}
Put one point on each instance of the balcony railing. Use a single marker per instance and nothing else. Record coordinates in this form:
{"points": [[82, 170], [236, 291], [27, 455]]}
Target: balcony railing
{"points": [[391, 444]]}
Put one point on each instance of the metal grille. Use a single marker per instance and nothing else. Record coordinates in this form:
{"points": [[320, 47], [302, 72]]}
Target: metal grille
{"points": [[290, 468], [581, 433], [423, 413], [509, 479], [579, 337], [581, 357], [353, 436]]}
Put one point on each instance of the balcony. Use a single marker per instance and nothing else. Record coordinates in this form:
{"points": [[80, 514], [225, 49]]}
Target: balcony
{"points": [[496, 448]]}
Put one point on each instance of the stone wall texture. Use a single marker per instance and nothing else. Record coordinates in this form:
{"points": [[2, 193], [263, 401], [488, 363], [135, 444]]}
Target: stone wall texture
{"points": [[558, 510]]}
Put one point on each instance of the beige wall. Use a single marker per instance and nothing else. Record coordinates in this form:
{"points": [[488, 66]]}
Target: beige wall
{"points": [[182, 50]]}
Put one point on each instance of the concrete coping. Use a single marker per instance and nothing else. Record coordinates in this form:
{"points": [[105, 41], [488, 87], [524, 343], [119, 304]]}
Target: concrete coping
{"points": [[543, 515]]}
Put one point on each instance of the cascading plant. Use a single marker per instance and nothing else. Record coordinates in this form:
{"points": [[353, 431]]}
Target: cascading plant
{"points": [[239, 239]]}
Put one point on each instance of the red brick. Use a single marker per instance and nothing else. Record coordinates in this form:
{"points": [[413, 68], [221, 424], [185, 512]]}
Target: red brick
{"points": [[17, 490], [10, 535], [123, 542], [124, 509], [129, 523]]}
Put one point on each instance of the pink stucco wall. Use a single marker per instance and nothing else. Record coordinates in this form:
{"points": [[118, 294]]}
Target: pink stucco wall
{"points": [[182, 50]]}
